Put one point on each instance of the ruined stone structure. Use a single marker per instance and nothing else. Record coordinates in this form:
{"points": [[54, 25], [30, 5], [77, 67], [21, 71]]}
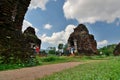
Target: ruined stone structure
{"points": [[116, 52], [82, 41], [12, 13], [30, 37], [12, 41]]}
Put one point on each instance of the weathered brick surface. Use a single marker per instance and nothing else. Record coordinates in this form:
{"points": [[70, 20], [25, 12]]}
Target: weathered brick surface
{"points": [[12, 40], [85, 42], [117, 50]]}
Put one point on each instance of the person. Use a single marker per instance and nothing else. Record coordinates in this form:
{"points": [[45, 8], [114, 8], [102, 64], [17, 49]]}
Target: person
{"points": [[72, 50], [37, 49], [34, 49]]}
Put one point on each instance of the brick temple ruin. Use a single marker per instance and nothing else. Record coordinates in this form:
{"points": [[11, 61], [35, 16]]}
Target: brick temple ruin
{"points": [[82, 41]]}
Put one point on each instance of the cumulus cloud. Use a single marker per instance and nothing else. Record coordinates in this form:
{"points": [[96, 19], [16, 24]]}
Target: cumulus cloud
{"points": [[47, 26], [58, 37], [102, 43], [38, 4], [90, 11], [27, 24]]}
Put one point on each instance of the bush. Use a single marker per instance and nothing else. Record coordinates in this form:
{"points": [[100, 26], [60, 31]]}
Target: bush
{"points": [[49, 59], [107, 50], [52, 52], [32, 62]]}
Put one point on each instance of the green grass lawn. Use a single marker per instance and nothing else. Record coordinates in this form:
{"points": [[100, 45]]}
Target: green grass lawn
{"points": [[104, 70], [52, 60], [62, 59]]}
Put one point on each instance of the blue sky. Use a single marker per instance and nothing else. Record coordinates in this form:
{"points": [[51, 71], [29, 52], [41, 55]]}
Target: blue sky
{"points": [[54, 20]]}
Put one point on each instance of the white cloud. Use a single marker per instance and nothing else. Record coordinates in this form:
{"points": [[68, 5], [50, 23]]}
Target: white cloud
{"points": [[38, 4], [90, 11], [102, 43], [58, 37], [27, 24], [47, 26]]}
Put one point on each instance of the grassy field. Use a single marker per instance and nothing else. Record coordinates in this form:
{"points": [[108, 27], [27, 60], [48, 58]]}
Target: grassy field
{"points": [[51, 60], [62, 59], [104, 70]]}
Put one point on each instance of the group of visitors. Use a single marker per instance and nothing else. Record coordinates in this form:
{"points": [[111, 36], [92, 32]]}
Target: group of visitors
{"points": [[71, 51]]}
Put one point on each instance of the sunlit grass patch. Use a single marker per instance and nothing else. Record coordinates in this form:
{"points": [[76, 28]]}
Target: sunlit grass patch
{"points": [[52, 59], [105, 70]]}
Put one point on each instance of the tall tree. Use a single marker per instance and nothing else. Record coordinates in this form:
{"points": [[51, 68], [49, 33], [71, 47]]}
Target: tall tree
{"points": [[60, 48]]}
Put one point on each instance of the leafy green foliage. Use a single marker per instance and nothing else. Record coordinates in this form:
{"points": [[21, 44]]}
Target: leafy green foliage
{"points": [[52, 51], [49, 60], [52, 59], [11, 66], [60, 46], [107, 50], [60, 49], [31, 62]]}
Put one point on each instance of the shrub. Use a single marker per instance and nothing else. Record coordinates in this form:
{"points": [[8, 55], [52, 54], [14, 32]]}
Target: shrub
{"points": [[52, 52], [49, 59]]}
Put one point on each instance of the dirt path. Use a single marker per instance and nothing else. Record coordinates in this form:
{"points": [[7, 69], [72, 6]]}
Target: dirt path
{"points": [[37, 72]]}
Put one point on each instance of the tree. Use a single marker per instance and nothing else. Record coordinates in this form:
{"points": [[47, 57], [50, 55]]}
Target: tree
{"points": [[52, 50], [107, 50], [60, 48], [66, 50]]}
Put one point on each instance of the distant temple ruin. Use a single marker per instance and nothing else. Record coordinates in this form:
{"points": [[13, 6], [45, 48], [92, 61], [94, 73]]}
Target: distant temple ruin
{"points": [[82, 41], [116, 52]]}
